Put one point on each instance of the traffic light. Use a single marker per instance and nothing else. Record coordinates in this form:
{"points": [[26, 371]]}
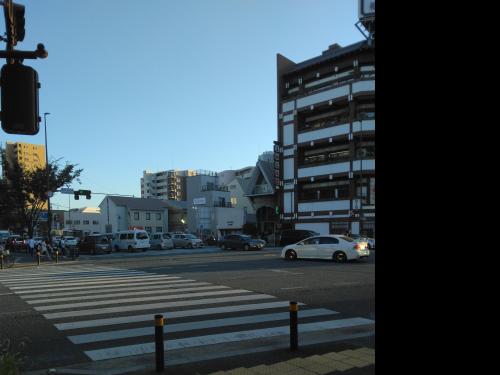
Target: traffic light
{"points": [[19, 22], [82, 192], [19, 91]]}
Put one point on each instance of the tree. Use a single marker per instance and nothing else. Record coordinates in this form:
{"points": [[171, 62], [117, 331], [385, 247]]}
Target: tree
{"points": [[23, 193]]}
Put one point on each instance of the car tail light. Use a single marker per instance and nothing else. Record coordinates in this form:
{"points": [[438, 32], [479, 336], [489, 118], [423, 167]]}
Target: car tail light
{"points": [[359, 246]]}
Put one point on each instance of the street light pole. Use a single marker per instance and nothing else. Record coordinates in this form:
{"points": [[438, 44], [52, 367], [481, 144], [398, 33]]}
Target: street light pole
{"points": [[49, 219]]}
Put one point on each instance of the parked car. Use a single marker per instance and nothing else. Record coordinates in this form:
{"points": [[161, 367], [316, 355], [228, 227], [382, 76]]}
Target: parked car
{"points": [[241, 241], [95, 243], [338, 248], [15, 243], [131, 240], [210, 241], [186, 240], [370, 241], [293, 236], [56, 240], [161, 241], [69, 241]]}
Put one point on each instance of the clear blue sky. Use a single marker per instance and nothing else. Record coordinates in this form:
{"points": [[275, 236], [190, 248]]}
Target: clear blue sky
{"points": [[154, 85]]}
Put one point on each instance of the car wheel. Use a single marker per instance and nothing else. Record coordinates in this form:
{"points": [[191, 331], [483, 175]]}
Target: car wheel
{"points": [[190, 246], [291, 255], [117, 248], [246, 247], [130, 248], [144, 249], [340, 257], [223, 247]]}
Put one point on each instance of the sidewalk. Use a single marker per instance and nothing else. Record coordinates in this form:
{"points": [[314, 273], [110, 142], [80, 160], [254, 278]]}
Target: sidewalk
{"points": [[26, 260]]}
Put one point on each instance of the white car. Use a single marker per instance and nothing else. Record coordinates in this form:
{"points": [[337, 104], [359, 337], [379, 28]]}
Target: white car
{"points": [[338, 248], [161, 241], [186, 240], [70, 241]]}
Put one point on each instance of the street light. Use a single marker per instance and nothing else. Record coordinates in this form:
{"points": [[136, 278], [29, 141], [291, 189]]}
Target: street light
{"points": [[49, 218]]}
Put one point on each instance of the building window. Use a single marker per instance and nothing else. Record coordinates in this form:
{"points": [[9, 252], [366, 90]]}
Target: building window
{"points": [[95, 222], [234, 201], [158, 215], [136, 215], [324, 190], [68, 221], [86, 222], [148, 229], [148, 216], [159, 229], [76, 222]]}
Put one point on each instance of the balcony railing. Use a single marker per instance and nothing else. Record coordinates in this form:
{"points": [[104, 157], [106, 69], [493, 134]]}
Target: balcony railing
{"points": [[214, 188], [223, 204]]}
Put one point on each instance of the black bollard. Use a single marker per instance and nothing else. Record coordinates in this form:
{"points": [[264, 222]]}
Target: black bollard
{"points": [[1, 261], [57, 256], [38, 258], [294, 335], [160, 352]]}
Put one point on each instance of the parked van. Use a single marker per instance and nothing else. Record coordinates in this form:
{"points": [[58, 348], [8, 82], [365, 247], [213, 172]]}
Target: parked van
{"points": [[161, 241], [131, 240]]}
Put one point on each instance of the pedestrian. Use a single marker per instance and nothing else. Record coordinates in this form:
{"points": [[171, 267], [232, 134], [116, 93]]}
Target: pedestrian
{"points": [[44, 249], [31, 247], [62, 245]]}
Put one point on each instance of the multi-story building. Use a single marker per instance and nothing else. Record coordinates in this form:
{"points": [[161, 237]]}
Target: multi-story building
{"points": [[209, 206], [237, 182], [326, 140], [167, 185], [28, 155]]}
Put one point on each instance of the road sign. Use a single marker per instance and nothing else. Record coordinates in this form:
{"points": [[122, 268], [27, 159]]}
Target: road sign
{"points": [[66, 191], [43, 216]]}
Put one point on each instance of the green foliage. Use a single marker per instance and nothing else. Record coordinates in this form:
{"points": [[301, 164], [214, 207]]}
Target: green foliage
{"points": [[23, 192], [10, 360]]}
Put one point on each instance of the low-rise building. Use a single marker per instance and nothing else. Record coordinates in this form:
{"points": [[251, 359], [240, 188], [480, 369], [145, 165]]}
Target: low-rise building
{"points": [[84, 219], [123, 213]]}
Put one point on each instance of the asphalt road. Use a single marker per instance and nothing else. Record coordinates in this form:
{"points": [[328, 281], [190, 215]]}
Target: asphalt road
{"points": [[346, 288]]}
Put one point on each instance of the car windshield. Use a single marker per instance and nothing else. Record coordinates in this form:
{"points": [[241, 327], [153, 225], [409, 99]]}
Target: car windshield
{"points": [[141, 236], [348, 239], [166, 236], [246, 237], [190, 236]]}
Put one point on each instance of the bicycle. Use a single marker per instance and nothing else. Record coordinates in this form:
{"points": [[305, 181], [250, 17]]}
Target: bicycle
{"points": [[7, 259]]}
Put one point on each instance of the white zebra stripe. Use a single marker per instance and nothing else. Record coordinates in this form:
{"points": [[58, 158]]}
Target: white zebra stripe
{"points": [[138, 299], [102, 282], [129, 350], [181, 327], [73, 278], [128, 293], [154, 306], [97, 293], [110, 286], [172, 315]]}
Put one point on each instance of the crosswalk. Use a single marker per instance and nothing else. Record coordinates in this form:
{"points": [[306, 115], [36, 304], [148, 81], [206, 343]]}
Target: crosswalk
{"points": [[107, 312]]}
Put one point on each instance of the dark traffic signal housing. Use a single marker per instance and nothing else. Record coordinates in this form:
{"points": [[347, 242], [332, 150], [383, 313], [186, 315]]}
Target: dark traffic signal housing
{"points": [[82, 192], [19, 90]]}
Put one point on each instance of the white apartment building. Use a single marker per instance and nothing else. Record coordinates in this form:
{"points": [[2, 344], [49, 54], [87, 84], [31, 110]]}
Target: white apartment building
{"points": [[86, 219]]}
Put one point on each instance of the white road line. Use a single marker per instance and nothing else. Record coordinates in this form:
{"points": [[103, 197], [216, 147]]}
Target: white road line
{"points": [[138, 299], [172, 315], [293, 287], [97, 293], [66, 270], [72, 278], [128, 350], [101, 282], [128, 293], [288, 272], [154, 306], [105, 286], [191, 326]]}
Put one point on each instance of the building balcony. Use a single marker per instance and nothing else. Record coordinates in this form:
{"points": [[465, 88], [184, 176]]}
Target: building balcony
{"points": [[214, 188]]}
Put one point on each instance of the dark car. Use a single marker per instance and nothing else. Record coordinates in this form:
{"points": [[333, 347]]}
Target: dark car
{"points": [[15, 243], [240, 241], [95, 243], [291, 236]]}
